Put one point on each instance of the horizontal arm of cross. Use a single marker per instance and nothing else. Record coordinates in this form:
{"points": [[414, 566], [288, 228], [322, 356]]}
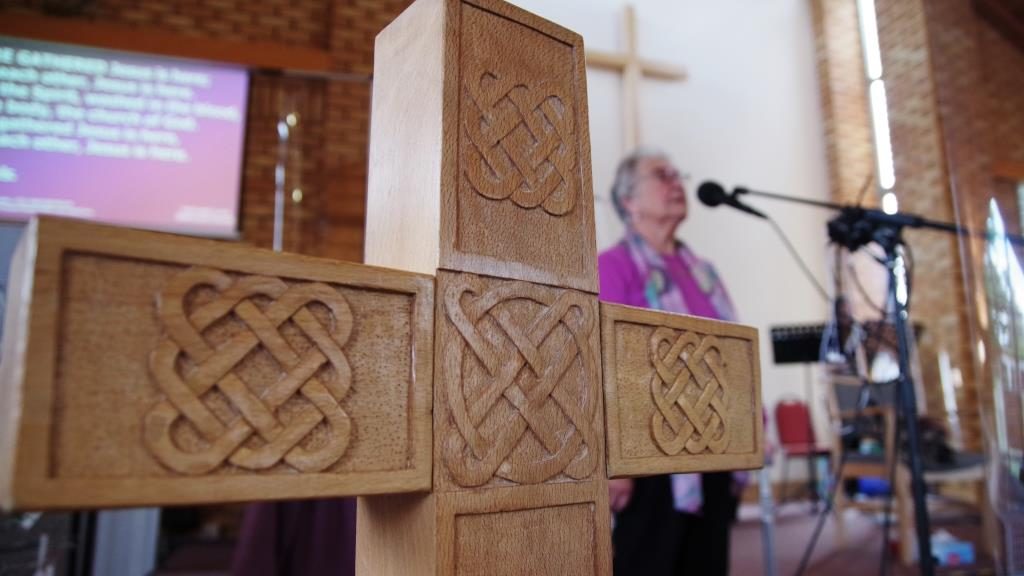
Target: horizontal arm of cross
{"points": [[144, 369], [648, 68]]}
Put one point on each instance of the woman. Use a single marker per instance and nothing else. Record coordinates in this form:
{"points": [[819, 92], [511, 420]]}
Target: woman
{"points": [[679, 524]]}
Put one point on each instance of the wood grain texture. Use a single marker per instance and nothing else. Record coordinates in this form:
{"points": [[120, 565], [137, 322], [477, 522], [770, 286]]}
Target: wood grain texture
{"points": [[160, 370], [146, 369], [557, 529], [406, 145], [518, 398], [683, 394], [480, 146], [396, 535]]}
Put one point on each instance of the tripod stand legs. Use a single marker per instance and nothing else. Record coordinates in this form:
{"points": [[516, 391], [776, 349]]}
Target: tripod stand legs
{"points": [[905, 515], [838, 510]]}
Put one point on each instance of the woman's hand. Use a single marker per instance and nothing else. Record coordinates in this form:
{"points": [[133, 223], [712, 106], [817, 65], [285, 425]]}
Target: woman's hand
{"points": [[620, 491]]}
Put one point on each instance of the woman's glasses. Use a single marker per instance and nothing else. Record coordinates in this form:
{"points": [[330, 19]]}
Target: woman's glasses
{"points": [[666, 174]]}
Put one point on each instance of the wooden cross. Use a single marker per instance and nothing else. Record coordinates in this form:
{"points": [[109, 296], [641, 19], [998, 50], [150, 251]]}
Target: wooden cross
{"points": [[460, 395], [633, 68]]}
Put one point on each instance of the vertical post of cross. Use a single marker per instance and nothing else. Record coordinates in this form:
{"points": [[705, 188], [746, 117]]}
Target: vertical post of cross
{"points": [[480, 174]]}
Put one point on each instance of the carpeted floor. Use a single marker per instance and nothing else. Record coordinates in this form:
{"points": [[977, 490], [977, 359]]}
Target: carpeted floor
{"points": [[794, 525], [793, 528]]}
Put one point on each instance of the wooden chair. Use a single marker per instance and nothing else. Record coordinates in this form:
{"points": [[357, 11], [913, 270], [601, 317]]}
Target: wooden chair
{"points": [[965, 468], [797, 440], [843, 412]]}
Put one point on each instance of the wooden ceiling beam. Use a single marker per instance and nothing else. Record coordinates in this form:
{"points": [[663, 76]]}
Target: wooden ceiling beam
{"points": [[1009, 22], [260, 55]]}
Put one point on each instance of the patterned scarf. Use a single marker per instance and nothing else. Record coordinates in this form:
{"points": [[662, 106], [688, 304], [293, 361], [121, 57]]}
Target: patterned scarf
{"points": [[662, 293]]}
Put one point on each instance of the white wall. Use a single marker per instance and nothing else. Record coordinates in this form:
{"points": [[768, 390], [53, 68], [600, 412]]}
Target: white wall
{"points": [[749, 114]]}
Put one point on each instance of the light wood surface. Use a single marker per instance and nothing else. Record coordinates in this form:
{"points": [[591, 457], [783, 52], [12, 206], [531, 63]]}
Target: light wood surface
{"points": [[633, 69], [396, 535], [157, 369], [480, 146], [407, 149], [268, 55], [518, 395], [559, 529], [683, 394], [151, 369]]}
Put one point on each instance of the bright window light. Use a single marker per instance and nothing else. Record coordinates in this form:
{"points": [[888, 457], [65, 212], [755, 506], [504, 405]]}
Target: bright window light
{"points": [[883, 142], [869, 36], [889, 203]]}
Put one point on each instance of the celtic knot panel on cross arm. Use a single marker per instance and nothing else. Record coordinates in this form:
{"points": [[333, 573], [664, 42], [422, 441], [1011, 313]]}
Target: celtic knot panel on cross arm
{"points": [[521, 383], [519, 142], [214, 411], [690, 393]]}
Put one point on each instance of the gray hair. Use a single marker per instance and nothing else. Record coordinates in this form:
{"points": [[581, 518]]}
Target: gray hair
{"points": [[625, 178]]}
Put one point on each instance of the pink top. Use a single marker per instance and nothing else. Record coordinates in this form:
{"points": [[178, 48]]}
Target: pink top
{"points": [[621, 282]]}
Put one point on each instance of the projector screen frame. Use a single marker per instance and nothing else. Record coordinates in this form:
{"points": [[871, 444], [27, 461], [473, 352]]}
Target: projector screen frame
{"points": [[241, 162]]}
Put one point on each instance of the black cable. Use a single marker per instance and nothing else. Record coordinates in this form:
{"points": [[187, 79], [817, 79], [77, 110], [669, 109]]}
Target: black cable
{"points": [[822, 516], [864, 395], [796, 256], [864, 189], [863, 401]]}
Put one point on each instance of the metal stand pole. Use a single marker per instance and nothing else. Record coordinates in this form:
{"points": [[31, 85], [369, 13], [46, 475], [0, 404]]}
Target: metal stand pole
{"points": [[898, 291], [764, 483]]}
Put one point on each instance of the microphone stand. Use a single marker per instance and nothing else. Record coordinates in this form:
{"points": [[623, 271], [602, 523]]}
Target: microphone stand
{"points": [[853, 228]]}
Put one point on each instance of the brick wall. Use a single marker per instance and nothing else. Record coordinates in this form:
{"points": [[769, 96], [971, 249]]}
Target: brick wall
{"points": [[843, 87], [979, 91], [296, 22], [328, 156], [956, 106], [1003, 69], [922, 187], [955, 88]]}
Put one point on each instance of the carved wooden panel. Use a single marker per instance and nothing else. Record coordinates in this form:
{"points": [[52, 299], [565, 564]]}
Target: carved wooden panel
{"points": [[559, 529], [683, 393], [505, 94], [518, 399], [163, 369], [523, 175], [198, 374], [517, 135]]}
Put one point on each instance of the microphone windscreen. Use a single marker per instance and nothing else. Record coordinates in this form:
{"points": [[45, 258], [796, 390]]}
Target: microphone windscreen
{"points": [[711, 194]]}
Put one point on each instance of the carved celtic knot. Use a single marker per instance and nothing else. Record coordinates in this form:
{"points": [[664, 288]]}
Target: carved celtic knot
{"points": [[521, 142], [227, 418], [521, 385], [688, 387]]}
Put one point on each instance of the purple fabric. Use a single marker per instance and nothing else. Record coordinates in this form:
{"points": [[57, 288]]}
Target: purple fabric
{"points": [[621, 282], [697, 301], [307, 538]]}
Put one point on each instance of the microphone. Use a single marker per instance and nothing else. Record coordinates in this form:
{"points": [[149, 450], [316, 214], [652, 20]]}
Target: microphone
{"points": [[712, 194]]}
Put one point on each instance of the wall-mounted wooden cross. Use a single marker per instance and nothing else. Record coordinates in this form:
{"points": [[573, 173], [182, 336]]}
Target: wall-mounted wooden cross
{"points": [[461, 396], [633, 68]]}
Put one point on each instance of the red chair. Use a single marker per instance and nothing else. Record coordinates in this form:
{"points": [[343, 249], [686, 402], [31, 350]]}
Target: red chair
{"points": [[796, 439]]}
